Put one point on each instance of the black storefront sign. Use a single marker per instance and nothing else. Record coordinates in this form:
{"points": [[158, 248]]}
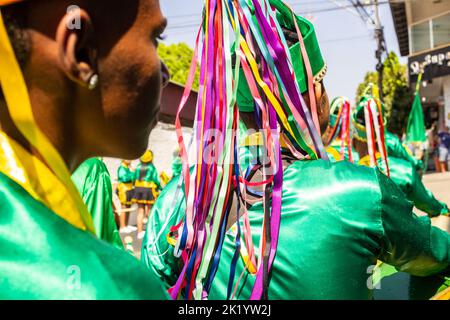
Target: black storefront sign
{"points": [[436, 64]]}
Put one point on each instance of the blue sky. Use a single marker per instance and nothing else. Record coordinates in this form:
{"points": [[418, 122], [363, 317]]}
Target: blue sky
{"points": [[347, 43]]}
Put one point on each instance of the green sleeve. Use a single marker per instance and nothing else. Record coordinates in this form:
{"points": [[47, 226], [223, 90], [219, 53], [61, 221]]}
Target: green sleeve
{"points": [[398, 150], [124, 174], [152, 175], [410, 243], [94, 183], [424, 200], [136, 172], [157, 253]]}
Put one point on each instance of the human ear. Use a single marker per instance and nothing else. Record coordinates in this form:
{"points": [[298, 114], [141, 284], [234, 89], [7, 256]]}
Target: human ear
{"points": [[77, 52]]}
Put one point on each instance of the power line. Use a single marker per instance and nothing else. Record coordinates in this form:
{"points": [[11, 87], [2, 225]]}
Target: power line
{"points": [[341, 7], [292, 4], [345, 39], [189, 24], [358, 37]]}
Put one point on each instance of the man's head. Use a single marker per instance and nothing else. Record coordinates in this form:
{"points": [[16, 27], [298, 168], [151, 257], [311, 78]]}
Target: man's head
{"points": [[323, 106], [63, 46]]}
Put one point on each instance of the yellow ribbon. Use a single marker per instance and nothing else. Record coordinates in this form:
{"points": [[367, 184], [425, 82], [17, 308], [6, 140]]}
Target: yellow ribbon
{"points": [[36, 178], [273, 100], [19, 107], [334, 153], [365, 161]]}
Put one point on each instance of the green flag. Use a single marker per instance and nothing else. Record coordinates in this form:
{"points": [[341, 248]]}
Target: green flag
{"points": [[416, 123]]}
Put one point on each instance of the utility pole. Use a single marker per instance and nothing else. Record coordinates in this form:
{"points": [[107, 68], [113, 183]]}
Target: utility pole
{"points": [[379, 35], [381, 48]]}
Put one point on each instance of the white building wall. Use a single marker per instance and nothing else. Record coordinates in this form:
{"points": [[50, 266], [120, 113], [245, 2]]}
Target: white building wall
{"points": [[163, 143]]}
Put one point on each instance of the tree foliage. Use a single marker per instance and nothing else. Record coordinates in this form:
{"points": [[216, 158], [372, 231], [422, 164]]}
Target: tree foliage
{"points": [[178, 58], [396, 93]]}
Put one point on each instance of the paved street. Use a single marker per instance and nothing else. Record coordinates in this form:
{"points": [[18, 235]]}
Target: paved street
{"points": [[439, 184]]}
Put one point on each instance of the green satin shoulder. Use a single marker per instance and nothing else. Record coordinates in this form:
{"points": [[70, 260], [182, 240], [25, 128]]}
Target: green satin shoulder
{"points": [[401, 172], [93, 181], [44, 257], [407, 179], [124, 174], [397, 149]]}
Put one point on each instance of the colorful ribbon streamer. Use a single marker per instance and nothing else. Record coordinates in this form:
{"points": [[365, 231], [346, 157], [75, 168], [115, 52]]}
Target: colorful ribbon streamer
{"points": [[216, 180]]}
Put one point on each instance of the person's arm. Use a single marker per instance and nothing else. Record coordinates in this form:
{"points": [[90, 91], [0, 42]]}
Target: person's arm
{"points": [[154, 176], [156, 252], [410, 243], [424, 199]]}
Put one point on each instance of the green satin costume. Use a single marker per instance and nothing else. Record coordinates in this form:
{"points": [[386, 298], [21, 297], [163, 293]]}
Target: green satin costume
{"points": [[151, 175], [337, 220], [124, 174], [42, 257], [397, 149], [405, 176], [93, 181]]}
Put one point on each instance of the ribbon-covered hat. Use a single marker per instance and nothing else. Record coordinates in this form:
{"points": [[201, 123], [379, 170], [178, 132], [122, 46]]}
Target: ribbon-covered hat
{"points": [[358, 115], [245, 100], [358, 118], [368, 122], [336, 107]]}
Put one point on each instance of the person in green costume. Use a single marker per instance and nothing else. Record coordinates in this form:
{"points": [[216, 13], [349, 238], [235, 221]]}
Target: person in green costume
{"points": [[93, 181], [402, 172], [79, 101], [394, 145], [337, 219], [125, 193], [146, 189]]}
